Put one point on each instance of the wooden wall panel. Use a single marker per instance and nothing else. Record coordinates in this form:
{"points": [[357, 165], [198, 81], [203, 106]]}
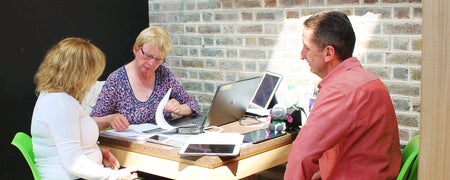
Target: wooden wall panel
{"points": [[435, 98]]}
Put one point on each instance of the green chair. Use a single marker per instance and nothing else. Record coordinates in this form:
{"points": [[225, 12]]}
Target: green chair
{"points": [[410, 160], [23, 142]]}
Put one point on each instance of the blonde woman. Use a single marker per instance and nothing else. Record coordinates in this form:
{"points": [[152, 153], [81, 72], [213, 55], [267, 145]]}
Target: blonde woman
{"points": [[131, 94], [64, 135]]}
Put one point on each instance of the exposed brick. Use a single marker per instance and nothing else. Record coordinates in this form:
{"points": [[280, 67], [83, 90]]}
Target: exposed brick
{"points": [[174, 28], [380, 71], [399, 88], [379, 43], [179, 51], [270, 3], [250, 41], [404, 135], [370, 1], [189, 5], [416, 74], [233, 65], [403, 59], [226, 4], [375, 58], [221, 41], [416, 105], [208, 41], [202, 5], [250, 66], [209, 88], [211, 52], [267, 41], [271, 29], [384, 12], [417, 12], [192, 85], [209, 29], [317, 2], [185, 17], [191, 40], [341, 2], [232, 53], [228, 29], [416, 44], [193, 52], [406, 119], [402, 104], [180, 73], [247, 16], [211, 75], [207, 16], [171, 6], [292, 3], [226, 16], [401, 1], [309, 12], [401, 13], [403, 28], [292, 15], [192, 74], [191, 29], [247, 3], [218, 41], [252, 54], [401, 73], [400, 43], [250, 29], [211, 64], [269, 15], [192, 63]]}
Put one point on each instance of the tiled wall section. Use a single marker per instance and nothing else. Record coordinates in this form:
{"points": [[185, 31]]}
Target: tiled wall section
{"points": [[218, 41]]}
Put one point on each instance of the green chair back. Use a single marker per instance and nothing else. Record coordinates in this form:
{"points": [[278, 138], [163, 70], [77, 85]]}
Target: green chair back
{"points": [[410, 160], [23, 142]]}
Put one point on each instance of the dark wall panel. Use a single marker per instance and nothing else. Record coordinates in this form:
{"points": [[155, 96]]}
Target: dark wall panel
{"points": [[28, 29]]}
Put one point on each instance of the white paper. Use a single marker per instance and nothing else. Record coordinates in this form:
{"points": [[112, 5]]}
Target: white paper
{"points": [[134, 131], [160, 120]]}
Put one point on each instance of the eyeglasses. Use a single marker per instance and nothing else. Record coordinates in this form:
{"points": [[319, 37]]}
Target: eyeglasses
{"points": [[149, 56]]}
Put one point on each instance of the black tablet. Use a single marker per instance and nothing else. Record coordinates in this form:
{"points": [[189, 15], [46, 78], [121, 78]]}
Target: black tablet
{"points": [[261, 135]]}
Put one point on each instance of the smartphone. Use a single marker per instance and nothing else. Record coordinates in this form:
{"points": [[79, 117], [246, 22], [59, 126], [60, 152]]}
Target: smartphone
{"points": [[261, 135], [157, 138]]}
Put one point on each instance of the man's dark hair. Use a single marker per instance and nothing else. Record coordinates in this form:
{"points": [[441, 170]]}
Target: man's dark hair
{"points": [[333, 28]]}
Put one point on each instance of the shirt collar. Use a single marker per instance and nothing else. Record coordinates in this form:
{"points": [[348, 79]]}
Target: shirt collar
{"points": [[345, 65]]}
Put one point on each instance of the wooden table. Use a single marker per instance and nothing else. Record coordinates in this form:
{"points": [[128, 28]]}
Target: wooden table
{"points": [[164, 160]]}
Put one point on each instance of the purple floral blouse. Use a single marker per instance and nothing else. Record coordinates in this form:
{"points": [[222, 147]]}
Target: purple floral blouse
{"points": [[117, 96]]}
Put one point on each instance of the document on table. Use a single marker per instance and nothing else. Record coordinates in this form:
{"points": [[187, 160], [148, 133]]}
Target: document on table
{"points": [[159, 116], [134, 131]]}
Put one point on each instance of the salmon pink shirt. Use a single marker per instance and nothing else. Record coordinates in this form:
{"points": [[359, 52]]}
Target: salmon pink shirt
{"points": [[351, 132]]}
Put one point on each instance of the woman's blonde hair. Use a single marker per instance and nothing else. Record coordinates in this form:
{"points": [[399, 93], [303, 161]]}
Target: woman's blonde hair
{"points": [[157, 37], [72, 66]]}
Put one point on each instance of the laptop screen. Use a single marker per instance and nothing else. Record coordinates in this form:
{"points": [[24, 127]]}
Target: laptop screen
{"points": [[230, 101], [266, 90]]}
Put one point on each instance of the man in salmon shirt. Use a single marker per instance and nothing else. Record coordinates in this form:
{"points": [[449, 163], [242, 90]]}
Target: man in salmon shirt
{"points": [[352, 131]]}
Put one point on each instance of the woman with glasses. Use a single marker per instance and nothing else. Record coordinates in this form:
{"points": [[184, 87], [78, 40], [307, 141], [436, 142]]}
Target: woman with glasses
{"points": [[131, 94]]}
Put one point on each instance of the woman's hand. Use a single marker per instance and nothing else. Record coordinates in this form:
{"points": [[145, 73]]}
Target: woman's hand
{"points": [[118, 122], [175, 107], [109, 160]]}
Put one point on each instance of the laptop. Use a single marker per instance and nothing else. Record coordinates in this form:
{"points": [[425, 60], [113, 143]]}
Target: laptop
{"points": [[264, 94], [228, 105]]}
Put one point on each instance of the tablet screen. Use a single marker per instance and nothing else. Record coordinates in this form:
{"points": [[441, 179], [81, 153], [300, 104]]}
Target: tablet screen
{"points": [[210, 148]]}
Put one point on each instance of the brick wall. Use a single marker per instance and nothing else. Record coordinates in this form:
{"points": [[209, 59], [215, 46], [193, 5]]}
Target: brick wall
{"points": [[218, 41]]}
